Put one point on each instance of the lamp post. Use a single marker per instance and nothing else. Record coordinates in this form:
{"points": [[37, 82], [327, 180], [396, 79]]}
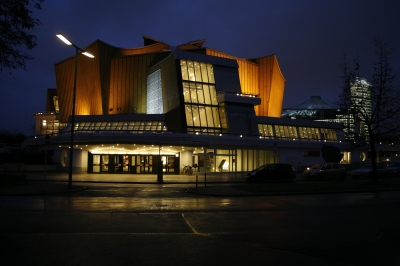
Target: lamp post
{"points": [[71, 152]]}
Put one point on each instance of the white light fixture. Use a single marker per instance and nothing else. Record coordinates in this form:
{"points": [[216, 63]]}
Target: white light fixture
{"points": [[65, 40]]}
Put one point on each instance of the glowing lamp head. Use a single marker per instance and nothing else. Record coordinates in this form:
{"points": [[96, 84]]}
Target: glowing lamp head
{"points": [[65, 40]]}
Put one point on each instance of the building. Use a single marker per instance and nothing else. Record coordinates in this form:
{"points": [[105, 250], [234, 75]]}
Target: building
{"points": [[159, 106], [361, 105], [355, 132], [315, 108]]}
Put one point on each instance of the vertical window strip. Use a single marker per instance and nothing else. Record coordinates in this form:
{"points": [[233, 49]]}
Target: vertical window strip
{"points": [[189, 118]]}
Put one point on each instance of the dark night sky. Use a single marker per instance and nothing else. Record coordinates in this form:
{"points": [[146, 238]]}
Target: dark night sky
{"points": [[308, 37]]}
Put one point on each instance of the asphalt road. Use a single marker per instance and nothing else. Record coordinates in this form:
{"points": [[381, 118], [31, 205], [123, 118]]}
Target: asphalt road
{"points": [[163, 224]]}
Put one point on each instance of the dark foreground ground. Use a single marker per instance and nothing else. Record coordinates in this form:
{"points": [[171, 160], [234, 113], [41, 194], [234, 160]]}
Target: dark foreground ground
{"points": [[229, 223]]}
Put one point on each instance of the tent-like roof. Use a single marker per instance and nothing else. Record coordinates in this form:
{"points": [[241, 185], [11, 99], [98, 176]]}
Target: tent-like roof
{"points": [[307, 108]]}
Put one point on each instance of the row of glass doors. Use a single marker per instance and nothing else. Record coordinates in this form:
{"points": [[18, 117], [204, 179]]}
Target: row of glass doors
{"points": [[134, 164]]}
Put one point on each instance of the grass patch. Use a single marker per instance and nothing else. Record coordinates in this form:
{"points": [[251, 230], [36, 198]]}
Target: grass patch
{"points": [[320, 186]]}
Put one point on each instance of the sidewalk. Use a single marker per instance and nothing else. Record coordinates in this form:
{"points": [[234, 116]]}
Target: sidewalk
{"points": [[215, 185], [140, 178], [38, 183]]}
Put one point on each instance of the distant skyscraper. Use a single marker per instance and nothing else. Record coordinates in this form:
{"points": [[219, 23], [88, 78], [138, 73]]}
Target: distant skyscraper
{"points": [[361, 106]]}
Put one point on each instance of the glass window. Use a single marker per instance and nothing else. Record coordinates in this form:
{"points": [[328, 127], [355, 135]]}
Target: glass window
{"points": [[197, 71], [190, 68], [210, 71], [200, 94], [204, 74], [210, 117], [142, 126], [203, 119], [196, 120], [55, 102], [217, 122], [207, 94], [186, 92], [277, 131], [213, 94], [96, 163], [189, 120], [184, 71], [266, 131], [293, 132], [130, 125], [104, 163], [199, 113], [193, 93]]}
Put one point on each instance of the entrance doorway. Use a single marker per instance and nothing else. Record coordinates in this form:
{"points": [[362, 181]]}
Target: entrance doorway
{"points": [[122, 164], [144, 164], [170, 163], [132, 164]]}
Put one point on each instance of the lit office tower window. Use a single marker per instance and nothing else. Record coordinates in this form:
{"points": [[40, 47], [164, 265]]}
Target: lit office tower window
{"points": [[56, 107], [201, 106], [154, 93]]}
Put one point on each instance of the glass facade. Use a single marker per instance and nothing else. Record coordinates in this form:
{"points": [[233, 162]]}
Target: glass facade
{"points": [[133, 164], [199, 94], [285, 132], [268, 131], [219, 160], [51, 127], [131, 126]]}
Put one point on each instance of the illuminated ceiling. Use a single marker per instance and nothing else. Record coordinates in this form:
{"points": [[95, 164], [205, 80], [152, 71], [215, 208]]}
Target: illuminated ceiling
{"points": [[135, 149]]}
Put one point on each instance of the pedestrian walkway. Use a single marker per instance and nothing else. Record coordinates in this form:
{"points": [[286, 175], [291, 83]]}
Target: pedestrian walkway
{"points": [[38, 183], [215, 184], [199, 177]]}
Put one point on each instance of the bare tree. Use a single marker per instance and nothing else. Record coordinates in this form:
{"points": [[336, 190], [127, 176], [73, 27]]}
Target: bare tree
{"points": [[374, 102], [15, 23]]}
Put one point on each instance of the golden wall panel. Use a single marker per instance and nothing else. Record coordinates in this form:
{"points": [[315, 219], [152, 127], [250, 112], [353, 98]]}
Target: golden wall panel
{"points": [[128, 83], [93, 81], [262, 77], [272, 86]]}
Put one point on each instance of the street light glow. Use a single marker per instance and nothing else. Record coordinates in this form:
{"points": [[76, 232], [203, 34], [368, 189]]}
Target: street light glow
{"points": [[68, 42], [71, 153], [65, 40], [88, 54]]}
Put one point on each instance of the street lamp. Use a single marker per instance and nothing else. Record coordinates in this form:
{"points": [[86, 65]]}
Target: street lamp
{"points": [[71, 153]]}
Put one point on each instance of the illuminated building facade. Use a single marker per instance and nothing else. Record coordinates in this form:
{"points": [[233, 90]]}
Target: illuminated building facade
{"points": [[179, 105], [361, 106]]}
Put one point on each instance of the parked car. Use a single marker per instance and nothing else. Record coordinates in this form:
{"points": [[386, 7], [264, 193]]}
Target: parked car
{"points": [[365, 171], [276, 171], [321, 171], [393, 169]]}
